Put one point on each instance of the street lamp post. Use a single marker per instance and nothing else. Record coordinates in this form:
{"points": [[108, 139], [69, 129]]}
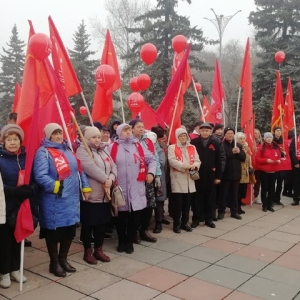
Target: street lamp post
{"points": [[220, 23]]}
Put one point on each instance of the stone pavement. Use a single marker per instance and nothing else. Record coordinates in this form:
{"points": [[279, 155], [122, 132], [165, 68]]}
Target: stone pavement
{"points": [[256, 258]]}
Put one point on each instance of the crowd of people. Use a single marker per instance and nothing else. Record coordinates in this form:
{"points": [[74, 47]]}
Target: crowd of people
{"points": [[206, 172]]}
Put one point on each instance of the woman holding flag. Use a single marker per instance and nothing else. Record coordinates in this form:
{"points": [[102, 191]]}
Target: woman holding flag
{"points": [[56, 171], [12, 165]]}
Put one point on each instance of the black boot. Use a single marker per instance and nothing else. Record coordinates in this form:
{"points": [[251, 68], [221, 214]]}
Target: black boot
{"points": [[157, 228], [54, 266], [296, 202], [63, 253]]}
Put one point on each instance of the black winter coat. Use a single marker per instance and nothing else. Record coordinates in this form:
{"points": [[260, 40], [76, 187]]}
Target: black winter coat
{"points": [[211, 162], [233, 169]]}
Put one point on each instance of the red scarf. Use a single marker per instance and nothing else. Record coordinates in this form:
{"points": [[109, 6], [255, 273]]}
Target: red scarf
{"points": [[298, 148], [191, 153], [141, 157], [150, 145], [61, 163]]}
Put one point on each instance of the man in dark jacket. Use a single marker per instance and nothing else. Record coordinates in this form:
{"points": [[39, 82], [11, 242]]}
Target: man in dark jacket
{"points": [[295, 159], [209, 151], [235, 155]]}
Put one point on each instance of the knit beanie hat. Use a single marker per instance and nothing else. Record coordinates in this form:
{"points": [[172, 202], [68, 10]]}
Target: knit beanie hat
{"points": [[12, 128], [218, 126], [121, 127], [180, 131], [91, 131], [227, 129], [50, 128], [268, 135], [98, 125]]}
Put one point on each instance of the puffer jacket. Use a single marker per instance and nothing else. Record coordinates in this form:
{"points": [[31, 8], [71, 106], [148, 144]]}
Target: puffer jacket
{"points": [[58, 211], [268, 151], [97, 169]]}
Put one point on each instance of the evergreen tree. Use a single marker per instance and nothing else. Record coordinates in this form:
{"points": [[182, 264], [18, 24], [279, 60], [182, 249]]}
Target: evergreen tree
{"points": [[278, 28], [84, 66], [12, 63], [161, 24]]}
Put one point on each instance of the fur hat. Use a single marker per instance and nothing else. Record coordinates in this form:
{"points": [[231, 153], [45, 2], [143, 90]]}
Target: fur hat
{"points": [[50, 128], [12, 128], [228, 128], [91, 131], [121, 127], [267, 135]]}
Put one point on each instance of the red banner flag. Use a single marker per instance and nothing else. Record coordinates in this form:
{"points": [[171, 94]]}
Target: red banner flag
{"points": [[16, 97], [278, 106], [206, 110], [246, 85], [62, 64], [166, 108], [217, 97], [103, 104], [288, 119], [148, 115]]}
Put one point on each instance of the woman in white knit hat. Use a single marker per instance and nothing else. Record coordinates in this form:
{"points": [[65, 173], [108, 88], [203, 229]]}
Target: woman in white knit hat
{"points": [[56, 171], [95, 212]]}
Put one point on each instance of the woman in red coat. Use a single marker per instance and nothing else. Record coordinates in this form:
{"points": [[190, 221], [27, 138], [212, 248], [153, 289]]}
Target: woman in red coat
{"points": [[268, 158]]}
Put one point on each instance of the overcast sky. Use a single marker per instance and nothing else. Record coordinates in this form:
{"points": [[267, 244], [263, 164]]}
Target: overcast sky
{"points": [[68, 14]]}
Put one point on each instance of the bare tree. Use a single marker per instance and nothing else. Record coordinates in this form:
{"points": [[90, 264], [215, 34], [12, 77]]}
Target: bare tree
{"points": [[121, 15]]}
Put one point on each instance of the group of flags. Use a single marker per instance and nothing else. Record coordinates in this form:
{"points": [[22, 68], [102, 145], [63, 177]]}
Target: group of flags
{"points": [[46, 87]]}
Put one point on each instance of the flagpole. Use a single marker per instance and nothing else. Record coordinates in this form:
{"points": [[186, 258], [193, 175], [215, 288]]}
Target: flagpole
{"points": [[295, 132], [237, 114], [122, 107], [63, 122], [173, 117], [87, 108], [88, 150], [22, 265], [223, 111], [199, 102]]}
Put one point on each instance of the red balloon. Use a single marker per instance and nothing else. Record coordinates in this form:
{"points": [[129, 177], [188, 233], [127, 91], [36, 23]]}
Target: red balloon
{"points": [[143, 81], [279, 56], [40, 46], [148, 53], [198, 87], [179, 43], [134, 84], [105, 76], [135, 102], [83, 110]]}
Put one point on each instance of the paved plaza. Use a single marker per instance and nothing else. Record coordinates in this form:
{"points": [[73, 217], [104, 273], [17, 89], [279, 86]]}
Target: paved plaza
{"points": [[256, 258]]}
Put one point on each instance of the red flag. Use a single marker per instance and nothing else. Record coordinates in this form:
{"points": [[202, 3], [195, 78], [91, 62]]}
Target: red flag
{"points": [[166, 108], [288, 119], [40, 74], [103, 104], [206, 110], [246, 85], [24, 223], [16, 98], [217, 96], [148, 115], [62, 64], [278, 104]]}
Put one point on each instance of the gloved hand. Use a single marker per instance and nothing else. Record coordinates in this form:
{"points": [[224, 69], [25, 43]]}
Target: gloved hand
{"points": [[23, 192], [61, 188], [157, 181]]}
